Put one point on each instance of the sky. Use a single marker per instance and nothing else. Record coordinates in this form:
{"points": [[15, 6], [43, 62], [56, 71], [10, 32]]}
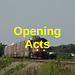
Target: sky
{"points": [[37, 14]]}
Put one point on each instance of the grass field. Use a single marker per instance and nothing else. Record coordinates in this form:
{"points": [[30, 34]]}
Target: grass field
{"points": [[9, 66], [53, 68]]}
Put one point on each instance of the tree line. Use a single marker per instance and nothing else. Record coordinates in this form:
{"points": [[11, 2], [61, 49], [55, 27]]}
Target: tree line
{"points": [[2, 46], [70, 48]]}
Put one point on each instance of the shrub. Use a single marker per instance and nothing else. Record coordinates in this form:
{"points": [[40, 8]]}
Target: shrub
{"points": [[50, 68], [13, 70], [64, 57], [4, 63]]}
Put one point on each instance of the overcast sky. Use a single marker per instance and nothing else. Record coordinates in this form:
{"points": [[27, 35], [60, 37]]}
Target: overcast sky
{"points": [[36, 14]]}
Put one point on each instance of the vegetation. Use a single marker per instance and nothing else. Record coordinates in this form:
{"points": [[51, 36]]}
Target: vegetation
{"points": [[13, 70], [55, 68], [51, 68], [2, 46], [4, 63], [27, 67], [60, 57], [70, 48], [64, 57], [9, 66]]}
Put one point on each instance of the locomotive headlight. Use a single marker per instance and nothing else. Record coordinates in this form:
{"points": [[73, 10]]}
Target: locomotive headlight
{"points": [[44, 50], [37, 50]]}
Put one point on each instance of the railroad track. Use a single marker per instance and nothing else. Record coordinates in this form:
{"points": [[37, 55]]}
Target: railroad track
{"points": [[40, 60], [46, 60]]}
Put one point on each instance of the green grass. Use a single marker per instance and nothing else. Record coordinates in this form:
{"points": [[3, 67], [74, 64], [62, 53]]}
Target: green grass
{"points": [[50, 68], [4, 63], [13, 70], [65, 57], [53, 68]]}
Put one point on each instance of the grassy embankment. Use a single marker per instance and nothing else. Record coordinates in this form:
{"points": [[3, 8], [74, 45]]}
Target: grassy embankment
{"points": [[53, 68], [9, 66]]}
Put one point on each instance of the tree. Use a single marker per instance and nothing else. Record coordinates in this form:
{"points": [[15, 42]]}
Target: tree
{"points": [[2, 46]]}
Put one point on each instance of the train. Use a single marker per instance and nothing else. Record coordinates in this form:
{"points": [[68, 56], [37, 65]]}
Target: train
{"points": [[18, 49]]}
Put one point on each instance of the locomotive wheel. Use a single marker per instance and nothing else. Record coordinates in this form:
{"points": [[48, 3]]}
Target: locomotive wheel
{"points": [[31, 55]]}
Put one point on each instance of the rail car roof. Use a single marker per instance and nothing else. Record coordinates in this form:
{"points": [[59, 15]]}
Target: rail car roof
{"points": [[39, 39], [34, 37]]}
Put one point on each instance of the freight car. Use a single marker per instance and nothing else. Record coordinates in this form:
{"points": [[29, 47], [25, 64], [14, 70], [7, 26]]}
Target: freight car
{"points": [[18, 49]]}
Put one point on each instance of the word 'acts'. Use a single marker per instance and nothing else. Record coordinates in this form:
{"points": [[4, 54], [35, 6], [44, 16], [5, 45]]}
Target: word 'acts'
{"points": [[40, 44]]}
